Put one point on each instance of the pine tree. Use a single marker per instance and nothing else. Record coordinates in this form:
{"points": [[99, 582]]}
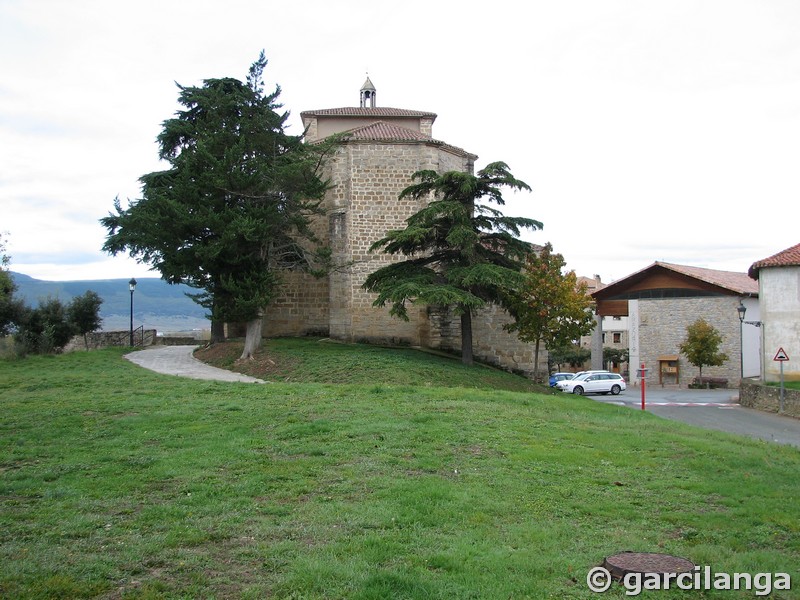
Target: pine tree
{"points": [[233, 210], [460, 253]]}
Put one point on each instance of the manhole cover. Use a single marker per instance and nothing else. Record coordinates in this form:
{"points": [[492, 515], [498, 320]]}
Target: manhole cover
{"points": [[621, 564]]}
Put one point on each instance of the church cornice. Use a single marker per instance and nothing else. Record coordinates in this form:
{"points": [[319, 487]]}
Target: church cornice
{"points": [[357, 111]]}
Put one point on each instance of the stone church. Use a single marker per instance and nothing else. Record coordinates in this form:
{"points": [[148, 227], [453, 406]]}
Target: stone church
{"points": [[382, 149]]}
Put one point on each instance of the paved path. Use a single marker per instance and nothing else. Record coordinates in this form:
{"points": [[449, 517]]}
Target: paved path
{"points": [[178, 360]]}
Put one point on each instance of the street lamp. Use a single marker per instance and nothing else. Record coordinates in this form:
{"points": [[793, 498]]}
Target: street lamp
{"points": [[742, 309], [132, 288]]}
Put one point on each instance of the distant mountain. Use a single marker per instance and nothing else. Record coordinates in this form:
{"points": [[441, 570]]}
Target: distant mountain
{"points": [[156, 304]]}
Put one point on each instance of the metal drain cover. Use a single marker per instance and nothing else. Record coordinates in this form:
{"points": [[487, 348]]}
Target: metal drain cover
{"points": [[623, 563]]}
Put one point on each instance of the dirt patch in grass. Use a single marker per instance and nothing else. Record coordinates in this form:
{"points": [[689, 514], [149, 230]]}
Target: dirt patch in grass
{"points": [[264, 365]]}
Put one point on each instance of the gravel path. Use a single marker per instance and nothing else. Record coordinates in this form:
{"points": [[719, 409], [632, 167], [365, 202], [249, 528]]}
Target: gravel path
{"points": [[178, 360]]}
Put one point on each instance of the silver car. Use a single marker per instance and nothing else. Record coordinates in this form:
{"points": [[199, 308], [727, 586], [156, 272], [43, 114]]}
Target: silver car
{"points": [[593, 383]]}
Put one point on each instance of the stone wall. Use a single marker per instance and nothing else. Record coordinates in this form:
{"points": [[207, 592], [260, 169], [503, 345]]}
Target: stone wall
{"points": [[362, 205], [662, 324], [376, 175], [146, 337], [300, 309], [491, 344], [756, 395], [106, 339]]}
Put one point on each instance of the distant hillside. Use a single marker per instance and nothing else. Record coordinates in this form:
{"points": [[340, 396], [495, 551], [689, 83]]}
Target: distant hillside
{"points": [[156, 304]]}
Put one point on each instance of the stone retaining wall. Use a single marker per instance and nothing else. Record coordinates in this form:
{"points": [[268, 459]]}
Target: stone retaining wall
{"points": [[106, 339], [753, 394]]}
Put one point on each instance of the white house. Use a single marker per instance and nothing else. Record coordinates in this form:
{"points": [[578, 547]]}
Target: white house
{"points": [[779, 303]]}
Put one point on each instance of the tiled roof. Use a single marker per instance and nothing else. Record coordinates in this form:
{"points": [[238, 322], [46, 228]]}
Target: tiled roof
{"points": [[592, 283], [738, 283], [732, 280], [356, 111], [381, 131], [787, 258]]}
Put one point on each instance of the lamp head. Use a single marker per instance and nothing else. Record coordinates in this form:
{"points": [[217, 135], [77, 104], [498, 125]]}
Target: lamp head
{"points": [[132, 284], [741, 309]]}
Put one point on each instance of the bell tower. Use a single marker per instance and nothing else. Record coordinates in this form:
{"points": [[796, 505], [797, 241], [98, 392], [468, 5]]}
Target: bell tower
{"points": [[367, 94]]}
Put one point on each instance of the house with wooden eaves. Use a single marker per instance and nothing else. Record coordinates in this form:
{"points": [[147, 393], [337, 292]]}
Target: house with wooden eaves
{"points": [[662, 300]]}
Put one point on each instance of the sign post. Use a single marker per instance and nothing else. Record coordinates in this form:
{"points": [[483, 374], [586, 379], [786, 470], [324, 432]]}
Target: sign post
{"points": [[781, 357]]}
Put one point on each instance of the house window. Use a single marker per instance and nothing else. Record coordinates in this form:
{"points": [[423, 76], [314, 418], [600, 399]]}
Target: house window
{"points": [[617, 338], [604, 338]]}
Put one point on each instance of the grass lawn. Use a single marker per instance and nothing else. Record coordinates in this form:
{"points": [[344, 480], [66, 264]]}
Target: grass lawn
{"points": [[418, 479]]}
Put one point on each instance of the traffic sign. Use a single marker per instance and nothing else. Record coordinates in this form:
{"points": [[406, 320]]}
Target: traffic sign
{"points": [[781, 356]]}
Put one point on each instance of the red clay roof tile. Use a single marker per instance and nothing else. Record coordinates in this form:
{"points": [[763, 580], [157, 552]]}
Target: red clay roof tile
{"points": [[381, 131], [786, 258]]}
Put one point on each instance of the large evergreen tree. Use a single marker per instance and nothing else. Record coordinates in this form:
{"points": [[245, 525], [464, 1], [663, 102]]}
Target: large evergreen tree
{"points": [[460, 253], [233, 210]]}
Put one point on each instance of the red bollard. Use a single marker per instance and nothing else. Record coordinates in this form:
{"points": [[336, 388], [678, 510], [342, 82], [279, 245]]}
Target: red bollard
{"points": [[642, 372]]}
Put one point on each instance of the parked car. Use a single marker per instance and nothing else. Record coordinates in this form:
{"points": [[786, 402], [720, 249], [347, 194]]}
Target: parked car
{"points": [[593, 383], [585, 372], [556, 377]]}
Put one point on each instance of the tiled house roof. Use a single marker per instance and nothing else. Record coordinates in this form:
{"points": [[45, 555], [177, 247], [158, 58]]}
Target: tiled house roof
{"points": [[731, 280], [737, 283], [787, 258]]}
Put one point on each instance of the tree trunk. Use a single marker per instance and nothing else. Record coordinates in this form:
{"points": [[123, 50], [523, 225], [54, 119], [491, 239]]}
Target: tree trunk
{"points": [[86, 341], [217, 331], [252, 339], [536, 361], [466, 337]]}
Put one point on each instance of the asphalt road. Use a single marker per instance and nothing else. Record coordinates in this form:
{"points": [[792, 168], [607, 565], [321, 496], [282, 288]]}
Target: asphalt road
{"points": [[710, 409]]}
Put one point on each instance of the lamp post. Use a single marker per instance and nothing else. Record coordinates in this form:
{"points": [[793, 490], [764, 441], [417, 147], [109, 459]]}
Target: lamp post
{"points": [[132, 288]]}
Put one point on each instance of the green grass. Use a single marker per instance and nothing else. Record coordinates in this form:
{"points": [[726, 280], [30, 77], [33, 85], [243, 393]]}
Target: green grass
{"points": [[789, 385], [306, 360], [116, 482]]}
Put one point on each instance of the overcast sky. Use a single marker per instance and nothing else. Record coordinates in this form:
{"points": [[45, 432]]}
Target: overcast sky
{"points": [[649, 130]]}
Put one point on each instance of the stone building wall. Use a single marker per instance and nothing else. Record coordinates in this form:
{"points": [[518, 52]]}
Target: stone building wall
{"points": [[662, 328], [301, 309], [363, 204], [378, 173], [491, 343]]}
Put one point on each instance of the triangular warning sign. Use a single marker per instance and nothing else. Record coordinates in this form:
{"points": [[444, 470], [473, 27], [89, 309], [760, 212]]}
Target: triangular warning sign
{"points": [[781, 355]]}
